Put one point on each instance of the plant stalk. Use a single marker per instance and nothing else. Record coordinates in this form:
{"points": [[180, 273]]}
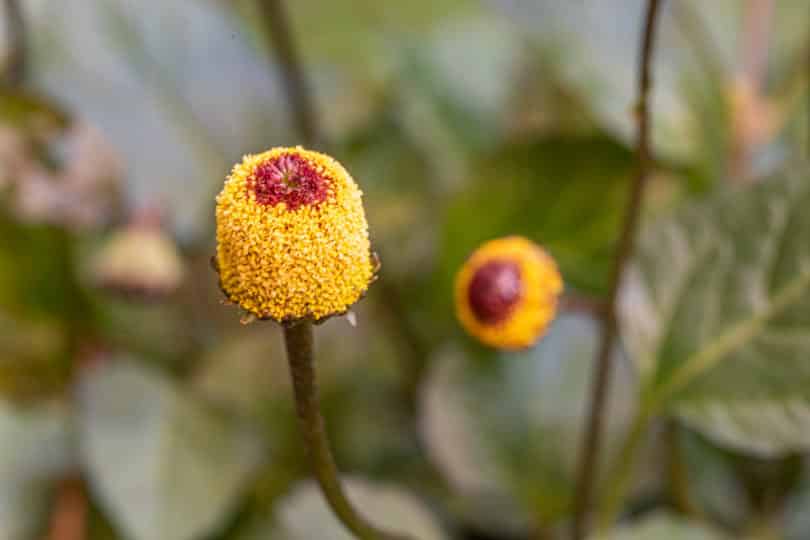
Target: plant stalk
{"points": [[299, 338], [587, 472], [300, 353]]}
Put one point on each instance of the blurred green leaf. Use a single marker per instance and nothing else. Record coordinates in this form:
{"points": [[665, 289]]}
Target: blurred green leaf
{"points": [[662, 526], [36, 270], [355, 35], [33, 359], [509, 425], [162, 464], [712, 482], [545, 189], [40, 304], [31, 113], [716, 311], [34, 451]]}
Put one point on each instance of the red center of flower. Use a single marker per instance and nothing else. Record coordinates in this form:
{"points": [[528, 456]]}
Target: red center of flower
{"points": [[494, 291], [288, 178]]}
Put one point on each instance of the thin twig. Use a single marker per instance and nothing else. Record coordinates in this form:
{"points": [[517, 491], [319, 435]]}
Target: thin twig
{"points": [[17, 50], [296, 87], [299, 341], [587, 471]]}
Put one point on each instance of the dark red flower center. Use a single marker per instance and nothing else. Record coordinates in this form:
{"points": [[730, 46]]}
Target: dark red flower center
{"points": [[494, 291], [288, 178]]}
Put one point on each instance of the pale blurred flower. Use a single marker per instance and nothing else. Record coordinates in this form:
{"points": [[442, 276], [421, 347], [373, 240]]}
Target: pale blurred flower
{"points": [[83, 192]]}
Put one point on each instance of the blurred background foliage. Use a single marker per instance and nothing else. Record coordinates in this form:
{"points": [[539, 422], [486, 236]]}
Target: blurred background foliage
{"points": [[135, 406]]}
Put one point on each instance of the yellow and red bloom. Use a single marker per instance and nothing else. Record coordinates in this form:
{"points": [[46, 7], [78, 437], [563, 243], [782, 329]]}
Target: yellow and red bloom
{"points": [[506, 292], [292, 236]]}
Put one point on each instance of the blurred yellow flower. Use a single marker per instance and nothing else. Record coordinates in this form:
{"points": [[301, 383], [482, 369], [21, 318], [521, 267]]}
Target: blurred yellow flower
{"points": [[292, 237], [506, 292]]}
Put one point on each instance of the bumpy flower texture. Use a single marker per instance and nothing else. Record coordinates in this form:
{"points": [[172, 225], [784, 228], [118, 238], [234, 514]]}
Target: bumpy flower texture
{"points": [[292, 237], [506, 293]]}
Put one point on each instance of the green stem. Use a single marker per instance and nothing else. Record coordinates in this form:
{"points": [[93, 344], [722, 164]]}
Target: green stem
{"points": [[300, 347]]}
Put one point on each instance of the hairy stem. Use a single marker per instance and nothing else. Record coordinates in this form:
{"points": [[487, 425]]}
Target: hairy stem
{"points": [[587, 472], [300, 347]]}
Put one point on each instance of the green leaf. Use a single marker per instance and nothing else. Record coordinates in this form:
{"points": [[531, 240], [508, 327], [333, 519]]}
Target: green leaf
{"points": [[163, 465], [543, 189], [715, 486], [716, 313], [34, 450], [508, 427], [303, 514], [36, 271], [662, 526]]}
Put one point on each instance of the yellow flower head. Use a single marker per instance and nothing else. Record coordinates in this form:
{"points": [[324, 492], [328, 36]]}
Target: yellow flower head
{"points": [[292, 237], [506, 292]]}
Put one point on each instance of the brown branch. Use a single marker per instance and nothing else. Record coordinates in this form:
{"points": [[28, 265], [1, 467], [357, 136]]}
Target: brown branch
{"points": [[587, 472]]}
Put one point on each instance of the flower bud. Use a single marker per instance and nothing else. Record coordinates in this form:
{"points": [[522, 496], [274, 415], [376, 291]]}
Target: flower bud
{"points": [[140, 261], [292, 237], [507, 291]]}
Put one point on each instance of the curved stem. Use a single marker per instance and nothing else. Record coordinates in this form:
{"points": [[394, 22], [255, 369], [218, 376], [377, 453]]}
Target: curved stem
{"points": [[299, 342], [587, 473], [299, 338]]}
